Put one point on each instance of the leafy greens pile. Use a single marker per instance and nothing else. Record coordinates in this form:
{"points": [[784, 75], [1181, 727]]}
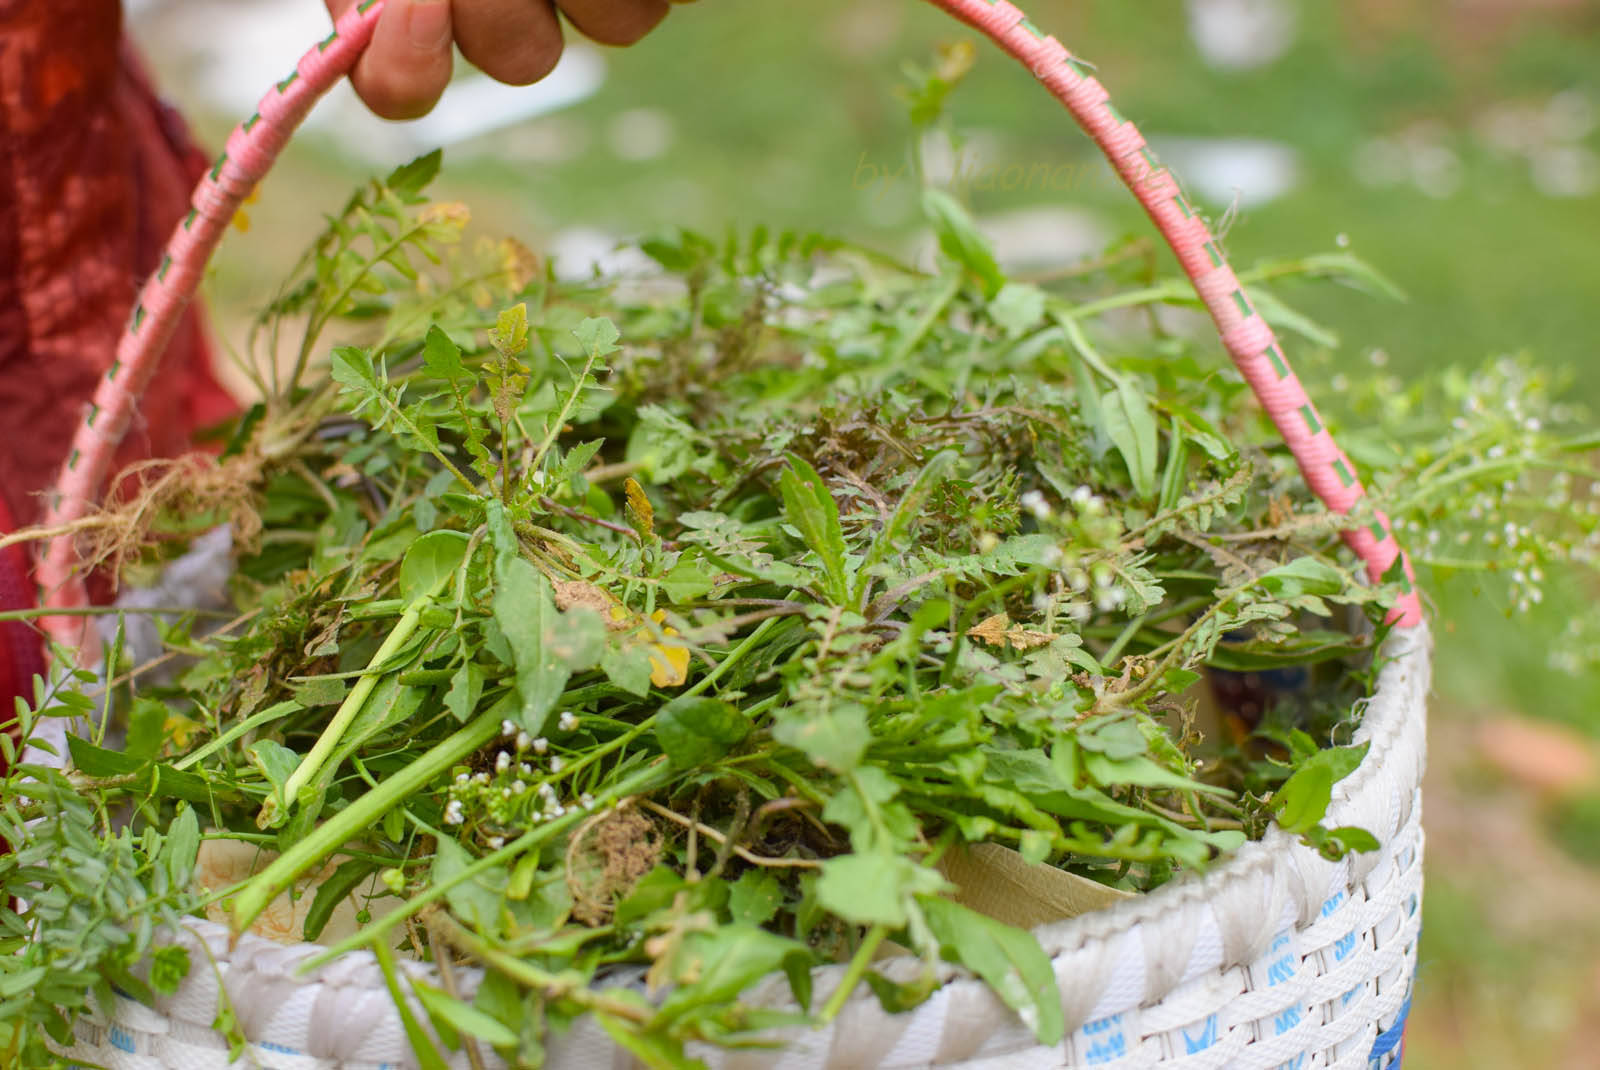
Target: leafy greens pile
{"points": [[687, 622]]}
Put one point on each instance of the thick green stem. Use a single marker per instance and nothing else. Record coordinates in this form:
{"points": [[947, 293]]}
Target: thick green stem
{"points": [[361, 814], [647, 779], [312, 764]]}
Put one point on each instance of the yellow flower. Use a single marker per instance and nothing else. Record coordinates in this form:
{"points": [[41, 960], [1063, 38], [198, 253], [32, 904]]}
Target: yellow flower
{"points": [[669, 663]]}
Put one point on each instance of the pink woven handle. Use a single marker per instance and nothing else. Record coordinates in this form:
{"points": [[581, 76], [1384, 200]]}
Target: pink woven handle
{"points": [[254, 145]]}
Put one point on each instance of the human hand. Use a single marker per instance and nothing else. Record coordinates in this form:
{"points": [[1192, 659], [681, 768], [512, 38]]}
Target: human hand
{"points": [[406, 67]]}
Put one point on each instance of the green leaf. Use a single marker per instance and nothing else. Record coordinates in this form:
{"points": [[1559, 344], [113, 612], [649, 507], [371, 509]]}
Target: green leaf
{"points": [[473, 900], [874, 888], [694, 730], [835, 739], [1303, 798], [1017, 308], [936, 471], [723, 963], [463, 1018], [1142, 772], [320, 691], [628, 666], [334, 890], [960, 240], [755, 897], [466, 688], [1132, 429], [412, 178], [442, 357], [687, 579], [811, 509], [525, 609], [277, 763], [1303, 576], [1009, 959], [147, 728], [181, 848], [597, 336], [430, 562]]}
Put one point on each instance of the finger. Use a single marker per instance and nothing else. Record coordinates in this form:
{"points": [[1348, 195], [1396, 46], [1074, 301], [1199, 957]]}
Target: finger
{"points": [[513, 41], [406, 67], [615, 22]]}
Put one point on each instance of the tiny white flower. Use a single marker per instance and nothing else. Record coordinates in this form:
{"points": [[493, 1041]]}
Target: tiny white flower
{"points": [[586, 801], [524, 741], [541, 745], [496, 842], [556, 763], [502, 762], [568, 721], [518, 787], [507, 729], [1034, 502]]}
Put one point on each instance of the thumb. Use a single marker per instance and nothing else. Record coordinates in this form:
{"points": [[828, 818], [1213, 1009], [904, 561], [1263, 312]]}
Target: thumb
{"points": [[407, 66]]}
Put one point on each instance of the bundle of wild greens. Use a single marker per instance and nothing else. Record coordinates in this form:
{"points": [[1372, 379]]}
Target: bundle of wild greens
{"points": [[689, 623]]}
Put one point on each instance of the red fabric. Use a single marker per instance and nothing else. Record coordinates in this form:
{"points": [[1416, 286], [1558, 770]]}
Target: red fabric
{"points": [[21, 651], [94, 174]]}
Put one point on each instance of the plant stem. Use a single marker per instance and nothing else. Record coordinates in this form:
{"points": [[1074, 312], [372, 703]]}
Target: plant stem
{"points": [[853, 974], [313, 762], [361, 814], [644, 780]]}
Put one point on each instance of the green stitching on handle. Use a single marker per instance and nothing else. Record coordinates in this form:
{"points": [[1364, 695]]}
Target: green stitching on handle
{"points": [[1346, 476], [1080, 68], [1149, 157], [287, 82], [365, 4], [111, 372], [1309, 415], [1031, 28], [322, 45], [1279, 365], [188, 220], [166, 263], [249, 124], [1244, 306], [72, 461], [1183, 206], [1214, 253], [138, 318], [1115, 114], [216, 168], [94, 414]]}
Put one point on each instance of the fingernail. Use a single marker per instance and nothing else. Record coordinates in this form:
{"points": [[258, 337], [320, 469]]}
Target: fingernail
{"points": [[428, 24]]}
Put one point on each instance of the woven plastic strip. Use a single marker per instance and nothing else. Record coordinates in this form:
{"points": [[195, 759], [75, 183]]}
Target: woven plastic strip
{"points": [[255, 144]]}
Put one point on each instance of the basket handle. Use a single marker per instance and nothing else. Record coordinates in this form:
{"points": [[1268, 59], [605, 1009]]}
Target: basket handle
{"points": [[255, 144]]}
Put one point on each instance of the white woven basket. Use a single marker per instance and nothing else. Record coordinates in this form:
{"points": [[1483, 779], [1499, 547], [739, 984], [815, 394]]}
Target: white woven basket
{"points": [[1277, 958]]}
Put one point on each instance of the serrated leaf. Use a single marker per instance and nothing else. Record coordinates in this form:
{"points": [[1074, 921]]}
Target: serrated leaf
{"points": [[809, 506]]}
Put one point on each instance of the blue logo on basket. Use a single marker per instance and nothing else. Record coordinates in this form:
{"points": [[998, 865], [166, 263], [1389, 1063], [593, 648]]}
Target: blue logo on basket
{"points": [[1286, 1021], [1107, 1046], [1207, 1037], [1334, 902], [1343, 946], [120, 1038]]}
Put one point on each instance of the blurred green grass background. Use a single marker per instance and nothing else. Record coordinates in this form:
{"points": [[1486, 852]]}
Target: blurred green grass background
{"points": [[774, 114]]}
